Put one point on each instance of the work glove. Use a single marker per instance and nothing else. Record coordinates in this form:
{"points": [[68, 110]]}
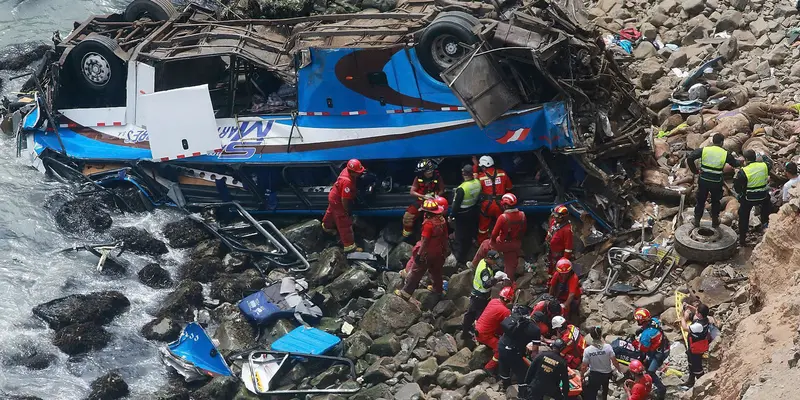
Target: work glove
{"points": [[500, 275]]}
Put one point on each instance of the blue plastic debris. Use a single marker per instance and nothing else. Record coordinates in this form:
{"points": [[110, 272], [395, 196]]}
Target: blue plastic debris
{"points": [[306, 340]]}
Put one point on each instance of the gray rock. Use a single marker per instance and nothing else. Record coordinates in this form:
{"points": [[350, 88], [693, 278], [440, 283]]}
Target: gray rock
{"points": [[795, 71], [181, 303], [695, 32], [693, 7], [230, 288], [649, 31], [154, 276], [219, 388], [110, 386], [409, 391], [330, 376], [472, 378], [427, 298], [236, 262], [234, 332], [389, 314], [444, 308], [729, 21], [139, 241], [202, 270], [729, 49], [442, 347], [386, 345], [654, 303], [764, 70], [758, 27], [644, 51], [161, 329], [343, 287], [380, 371], [659, 98], [783, 10], [330, 325], [83, 216], [425, 372], [379, 391], [447, 379], [81, 338], [739, 4], [460, 284], [459, 362], [420, 330], [330, 264], [357, 345], [399, 256], [650, 71], [276, 331], [99, 308], [451, 395], [770, 85], [618, 308], [308, 235], [480, 356], [777, 56], [210, 248], [658, 18], [185, 233]]}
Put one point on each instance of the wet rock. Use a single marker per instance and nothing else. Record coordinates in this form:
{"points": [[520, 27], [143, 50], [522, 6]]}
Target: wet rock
{"points": [[386, 345], [219, 388], [459, 362], [308, 235], [201, 270], [212, 248], [480, 356], [230, 288], [83, 215], [276, 331], [154, 276], [617, 309], [460, 284], [420, 330], [399, 256], [343, 287], [234, 332], [425, 372], [98, 307], [182, 302], [81, 338], [161, 329], [357, 345], [236, 262], [6, 396], [185, 233], [409, 391], [139, 241], [389, 314], [18, 56], [356, 308], [330, 376], [380, 371], [331, 263], [29, 357], [110, 386]]}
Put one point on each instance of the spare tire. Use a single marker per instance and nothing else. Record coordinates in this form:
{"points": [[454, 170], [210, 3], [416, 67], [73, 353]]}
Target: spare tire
{"points": [[705, 243], [442, 42], [96, 65], [154, 10]]}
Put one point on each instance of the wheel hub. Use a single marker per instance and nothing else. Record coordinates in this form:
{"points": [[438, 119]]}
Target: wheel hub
{"points": [[96, 69], [446, 51], [704, 234], [451, 48]]}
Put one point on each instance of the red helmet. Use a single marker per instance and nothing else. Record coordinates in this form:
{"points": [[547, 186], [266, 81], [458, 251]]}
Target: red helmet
{"points": [[509, 200], [561, 211], [431, 206], [507, 293], [636, 366], [355, 166], [563, 266], [442, 202], [642, 316]]}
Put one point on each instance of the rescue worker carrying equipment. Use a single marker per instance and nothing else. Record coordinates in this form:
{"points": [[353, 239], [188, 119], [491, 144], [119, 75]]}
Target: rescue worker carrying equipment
{"points": [[486, 276], [559, 237], [566, 287], [548, 376], [751, 185], [712, 161], [343, 193], [520, 336], [573, 339], [642, 384], [699, 340], [506, 236], [429, 254], [550, 307], [465, 213], [488, 325], [654, 346], [427, 185], [494, 184]]}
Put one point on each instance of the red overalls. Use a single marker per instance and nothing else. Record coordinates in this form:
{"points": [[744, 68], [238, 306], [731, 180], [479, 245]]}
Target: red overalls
{"points": [[335, 215], [488, 327], [559, 238], [433, 186], [434, 230], [494, 184], [541, 306], [507, 239], [576, 343]]}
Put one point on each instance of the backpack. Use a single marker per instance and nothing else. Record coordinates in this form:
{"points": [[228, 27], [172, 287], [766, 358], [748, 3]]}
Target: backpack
{"points": [[516, 321]]}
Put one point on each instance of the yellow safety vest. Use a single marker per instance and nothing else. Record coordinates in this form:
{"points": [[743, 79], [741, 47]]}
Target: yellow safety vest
{"points": [[713, 160], [757, 175], [472, 190], [477, 282]]}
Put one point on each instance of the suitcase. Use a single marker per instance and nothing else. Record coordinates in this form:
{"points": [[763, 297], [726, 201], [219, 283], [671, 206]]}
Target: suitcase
{"points": [[258, 309], [306, 340]]}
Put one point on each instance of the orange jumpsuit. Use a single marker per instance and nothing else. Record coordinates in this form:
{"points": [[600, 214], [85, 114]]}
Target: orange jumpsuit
{"points": [[494, 184], [507, 239], [559, 241], [433, 186], [336, 216]]}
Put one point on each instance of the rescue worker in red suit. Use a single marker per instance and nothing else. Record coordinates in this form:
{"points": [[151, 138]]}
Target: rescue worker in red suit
{"points": [[337, 216], [488, 327], [427, 185], [559, 238], [550, 308], [572, 336], [429, 254], [494, 184], [443, 203], [641, 386], [506, 236], [566, 287]]}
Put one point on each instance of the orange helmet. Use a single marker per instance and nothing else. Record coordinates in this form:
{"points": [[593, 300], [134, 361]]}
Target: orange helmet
{"points": [[431, 206], [355, 166], [442, 202], [642, 316], [509, 200], [560, 210], [636, 366], [507, 293], [563, 266]]}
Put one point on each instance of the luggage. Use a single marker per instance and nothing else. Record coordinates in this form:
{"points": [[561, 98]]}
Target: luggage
{"points": [[279, 301], [306, 340]]}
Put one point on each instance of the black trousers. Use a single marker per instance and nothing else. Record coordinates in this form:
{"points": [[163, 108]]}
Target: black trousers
{"points": [[476, 306], [511, 362], [597, 381], [704, 188], [744, 215], [466, 230], [695, 366]]}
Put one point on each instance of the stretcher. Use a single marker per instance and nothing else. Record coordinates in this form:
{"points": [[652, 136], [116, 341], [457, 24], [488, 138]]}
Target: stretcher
{"points": [[713, 330]]}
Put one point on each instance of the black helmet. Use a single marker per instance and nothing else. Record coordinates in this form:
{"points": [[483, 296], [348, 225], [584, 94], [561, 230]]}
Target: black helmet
{"points": [[493, 255], [558, 345], [426, 164]]}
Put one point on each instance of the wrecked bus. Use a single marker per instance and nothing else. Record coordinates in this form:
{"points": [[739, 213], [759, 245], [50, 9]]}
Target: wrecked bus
{"points": [[191, 109]]}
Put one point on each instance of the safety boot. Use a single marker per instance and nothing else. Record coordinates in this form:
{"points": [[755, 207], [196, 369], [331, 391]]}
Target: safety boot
{"points": [[715, 222]]}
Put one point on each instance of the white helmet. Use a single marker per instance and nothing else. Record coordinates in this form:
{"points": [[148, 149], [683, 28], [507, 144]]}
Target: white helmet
{"points": [[486, 162], [696, 327], [558, 321]]}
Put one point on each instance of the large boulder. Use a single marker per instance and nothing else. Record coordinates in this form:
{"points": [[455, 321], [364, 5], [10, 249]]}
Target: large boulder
{"points": [[424, 372], [203, 270], [219, 388], [352, 281], [234, 332], [330, 264], [730, 20], [81, 338], [83, 215], [654, 303], [460, 284], [182, 302], [162, 330], [185, 233], [154, 276], [98, 307], [231, 288], [399, 256], [110, 386], [618, 308], [139, 241], [459, 362], [308, 235], [386, 345], [389, 314]]}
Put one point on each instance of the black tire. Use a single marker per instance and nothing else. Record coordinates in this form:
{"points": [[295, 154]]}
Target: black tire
{"points": [[440, 44], [705, 244], [97, 67], [155, 10], [469, 18]]}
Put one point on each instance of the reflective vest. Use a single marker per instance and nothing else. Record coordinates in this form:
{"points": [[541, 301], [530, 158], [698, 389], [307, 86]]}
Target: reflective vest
{"points": [[757, 175], [713, 160], [472, 189], [428, 186], [699, 342], [477, 282]]}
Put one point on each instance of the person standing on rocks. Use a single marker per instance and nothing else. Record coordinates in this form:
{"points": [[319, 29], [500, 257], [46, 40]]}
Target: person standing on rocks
{"points": [[566, 287], [791, 173], [483, 281], [559, 237], [488, 325], [712, 162], [653, 344], [751, 183], [465, 213], [548, 376], [429, 254], [698, 325], [494, 184], [506, 236], [343, 193], [599, 359], [427, 185]]}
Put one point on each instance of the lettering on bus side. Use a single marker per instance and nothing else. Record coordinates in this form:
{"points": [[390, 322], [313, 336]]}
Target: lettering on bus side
{"points": [[250, 134]]}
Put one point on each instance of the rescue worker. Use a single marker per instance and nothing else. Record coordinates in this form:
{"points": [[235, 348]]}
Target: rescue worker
{"points": [[574, 342], [550, 307], [712, 161], [699, 339], [343, 193], [427, 185], [488, 325], [548, 376], [794, 178], [751, 184], [465, 213], [506, 236], [484, 279], [600, 361], [559, 237], [429, 254], [642, 384], [566, 287], [494, 184], [521, 336], [654, 346]]}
